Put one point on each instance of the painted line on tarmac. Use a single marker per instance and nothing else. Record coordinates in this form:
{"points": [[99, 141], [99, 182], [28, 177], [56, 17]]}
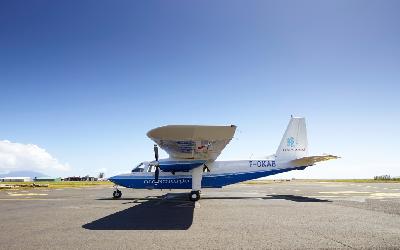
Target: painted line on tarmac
{"points": [[345, 192], [26, 194], [28, 199], [395, 195]]}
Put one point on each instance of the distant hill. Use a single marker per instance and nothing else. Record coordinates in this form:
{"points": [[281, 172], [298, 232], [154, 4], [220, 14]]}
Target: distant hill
{"points": [[23, 173]]}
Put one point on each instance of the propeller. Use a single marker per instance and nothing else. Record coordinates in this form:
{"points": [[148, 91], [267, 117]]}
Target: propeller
{"points": [[157, 165]]}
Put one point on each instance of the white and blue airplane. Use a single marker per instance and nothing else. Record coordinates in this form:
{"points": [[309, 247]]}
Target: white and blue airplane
{"points": [[192, 164]]}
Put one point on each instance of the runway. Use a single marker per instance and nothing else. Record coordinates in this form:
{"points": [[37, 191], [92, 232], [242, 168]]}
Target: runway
{"points": [[284, 215]]}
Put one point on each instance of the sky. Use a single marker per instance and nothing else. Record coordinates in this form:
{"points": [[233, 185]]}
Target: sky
{"points": [[81, 82]]}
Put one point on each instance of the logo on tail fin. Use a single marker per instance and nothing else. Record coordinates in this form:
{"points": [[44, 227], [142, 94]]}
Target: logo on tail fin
{"points": [[290, 142]]}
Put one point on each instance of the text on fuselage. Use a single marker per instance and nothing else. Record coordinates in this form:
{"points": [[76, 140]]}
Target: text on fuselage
{"points": [[262, 164]]}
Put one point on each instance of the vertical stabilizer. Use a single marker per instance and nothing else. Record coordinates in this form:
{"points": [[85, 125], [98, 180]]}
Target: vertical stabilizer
{"points": [[294, 143]]}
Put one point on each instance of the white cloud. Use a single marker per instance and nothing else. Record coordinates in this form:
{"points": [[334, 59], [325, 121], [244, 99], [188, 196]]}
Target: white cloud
{"points": [[18, 156]]}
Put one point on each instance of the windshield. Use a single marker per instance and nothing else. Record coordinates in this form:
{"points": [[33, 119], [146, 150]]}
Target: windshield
{"points": [[139, 168]]}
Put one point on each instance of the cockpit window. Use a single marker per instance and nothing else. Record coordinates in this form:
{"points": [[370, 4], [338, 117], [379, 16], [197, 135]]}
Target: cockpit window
{"points": [[139, 168]]}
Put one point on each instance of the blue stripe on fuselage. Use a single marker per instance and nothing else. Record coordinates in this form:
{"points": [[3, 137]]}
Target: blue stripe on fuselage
{"points": [[185, 181]]}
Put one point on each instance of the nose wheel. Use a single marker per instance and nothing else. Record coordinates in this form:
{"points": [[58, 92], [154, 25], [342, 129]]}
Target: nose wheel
{"points": [[194, 196], [117, 194]]}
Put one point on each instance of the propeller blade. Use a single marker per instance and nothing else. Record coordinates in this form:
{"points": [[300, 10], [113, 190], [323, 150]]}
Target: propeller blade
{"points": [[156, 173], [156, 151]]}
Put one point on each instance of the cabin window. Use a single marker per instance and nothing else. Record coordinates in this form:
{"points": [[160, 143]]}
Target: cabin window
{"points": [[151, 169]]}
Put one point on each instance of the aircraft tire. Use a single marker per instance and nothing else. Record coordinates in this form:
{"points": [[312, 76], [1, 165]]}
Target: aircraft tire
{"points": [[194, 196], [117, 194]]}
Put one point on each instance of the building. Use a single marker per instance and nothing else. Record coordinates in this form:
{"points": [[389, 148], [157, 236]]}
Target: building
{"points": [[89, 178], [47, 178], [78, 178], [73, 178], [382, 177], [16, 179]]}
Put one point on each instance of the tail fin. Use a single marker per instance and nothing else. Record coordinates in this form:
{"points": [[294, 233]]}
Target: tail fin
{"points": [[294, 143]]}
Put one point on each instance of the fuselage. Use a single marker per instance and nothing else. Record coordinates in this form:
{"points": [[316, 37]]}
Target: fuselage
{"points": [[216, 175]]}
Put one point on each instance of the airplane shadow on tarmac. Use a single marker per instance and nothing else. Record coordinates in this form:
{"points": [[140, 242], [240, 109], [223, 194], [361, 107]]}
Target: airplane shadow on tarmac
{"points": [[150, 213], [167, 212], [295, 198]]}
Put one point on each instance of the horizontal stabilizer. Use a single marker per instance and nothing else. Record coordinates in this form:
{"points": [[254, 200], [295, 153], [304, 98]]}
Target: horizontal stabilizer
{"points": [[311, 160]]}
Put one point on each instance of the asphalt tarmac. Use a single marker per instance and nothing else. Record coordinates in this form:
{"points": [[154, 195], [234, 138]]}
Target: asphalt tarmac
{"points": [[285, 215]]}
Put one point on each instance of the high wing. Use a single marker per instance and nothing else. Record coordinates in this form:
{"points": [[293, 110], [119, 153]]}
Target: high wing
{"points": [[311, 160], [192, 142]]}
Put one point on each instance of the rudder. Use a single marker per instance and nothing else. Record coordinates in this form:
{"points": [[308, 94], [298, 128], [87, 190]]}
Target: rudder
{"points": [[294, 143]]}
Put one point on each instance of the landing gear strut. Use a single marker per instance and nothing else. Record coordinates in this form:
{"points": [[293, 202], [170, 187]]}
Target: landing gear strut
{"points": [[194, 196], [117, 193], [197, 174]]}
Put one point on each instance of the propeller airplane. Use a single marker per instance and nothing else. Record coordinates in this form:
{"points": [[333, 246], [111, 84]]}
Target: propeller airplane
{"points": [[192, 164]]}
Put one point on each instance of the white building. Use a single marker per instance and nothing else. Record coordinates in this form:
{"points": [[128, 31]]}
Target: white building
{"points": [[15, 179]]}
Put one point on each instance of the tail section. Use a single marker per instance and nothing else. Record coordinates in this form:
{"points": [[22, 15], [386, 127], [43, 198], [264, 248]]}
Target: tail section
{"points": [[294, 143]]}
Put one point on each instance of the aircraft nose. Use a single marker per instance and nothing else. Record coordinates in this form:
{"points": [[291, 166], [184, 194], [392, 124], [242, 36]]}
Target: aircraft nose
{"points": [[114, 179]]}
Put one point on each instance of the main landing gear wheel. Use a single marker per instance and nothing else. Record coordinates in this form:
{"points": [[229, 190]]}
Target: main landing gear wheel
{"points": [[194, 195], [117, 194]]}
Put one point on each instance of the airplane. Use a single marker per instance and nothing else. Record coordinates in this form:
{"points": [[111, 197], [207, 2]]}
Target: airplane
{"points": [[193, 150]]}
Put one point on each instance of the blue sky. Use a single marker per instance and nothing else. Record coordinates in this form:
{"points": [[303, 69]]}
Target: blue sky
{"points": [[85, 80]]}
